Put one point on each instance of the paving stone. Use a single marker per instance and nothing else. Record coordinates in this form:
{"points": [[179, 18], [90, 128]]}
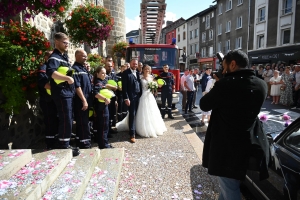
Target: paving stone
{"points": [[166, 167], [12, 161], [105, 179], [72, 182], [32, 181]]}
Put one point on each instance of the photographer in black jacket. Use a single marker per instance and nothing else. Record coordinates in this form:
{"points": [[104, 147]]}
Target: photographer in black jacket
{"points": [[235, 101]]}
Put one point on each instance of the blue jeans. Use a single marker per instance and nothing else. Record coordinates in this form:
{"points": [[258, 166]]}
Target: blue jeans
{"points": [[189, 102], [229, 189]]}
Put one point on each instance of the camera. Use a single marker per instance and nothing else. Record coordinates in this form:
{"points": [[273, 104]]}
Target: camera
{"points": [[219, 73]]}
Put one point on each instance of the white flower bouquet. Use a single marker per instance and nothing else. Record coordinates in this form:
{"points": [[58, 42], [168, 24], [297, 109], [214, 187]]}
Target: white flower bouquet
{"points": [[152, 86]]}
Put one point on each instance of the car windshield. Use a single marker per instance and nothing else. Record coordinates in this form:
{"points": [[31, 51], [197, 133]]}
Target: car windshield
{"points": [[154, 57]]}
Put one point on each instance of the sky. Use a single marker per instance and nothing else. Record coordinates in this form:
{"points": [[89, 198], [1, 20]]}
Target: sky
{"points": [[175, 10]]}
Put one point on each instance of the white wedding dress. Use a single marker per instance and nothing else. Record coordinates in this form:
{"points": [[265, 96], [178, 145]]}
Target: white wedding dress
{"points": [[149, 122]]}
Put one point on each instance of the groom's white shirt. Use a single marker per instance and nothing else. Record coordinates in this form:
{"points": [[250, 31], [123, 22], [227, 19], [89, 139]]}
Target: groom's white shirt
{"points": [[133, 72]]}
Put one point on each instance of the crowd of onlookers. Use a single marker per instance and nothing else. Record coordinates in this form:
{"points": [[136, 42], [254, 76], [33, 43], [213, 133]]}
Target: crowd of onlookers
{"points": [[283, 82]]}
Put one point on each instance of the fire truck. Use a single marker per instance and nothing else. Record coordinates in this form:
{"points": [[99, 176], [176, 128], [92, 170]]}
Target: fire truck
{"points": [[157, 55]]}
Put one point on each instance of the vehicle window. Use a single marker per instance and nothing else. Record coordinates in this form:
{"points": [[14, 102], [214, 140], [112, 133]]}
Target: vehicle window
{"points": [[293, 140], [155, 57]]}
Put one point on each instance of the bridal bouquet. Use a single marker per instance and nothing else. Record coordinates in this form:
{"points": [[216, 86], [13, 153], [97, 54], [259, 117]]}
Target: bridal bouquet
{"points": [[152, 86]]}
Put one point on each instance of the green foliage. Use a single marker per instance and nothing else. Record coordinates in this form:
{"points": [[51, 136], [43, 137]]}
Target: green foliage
{"points": [[21, 53], [89, 24], [120, 48]]}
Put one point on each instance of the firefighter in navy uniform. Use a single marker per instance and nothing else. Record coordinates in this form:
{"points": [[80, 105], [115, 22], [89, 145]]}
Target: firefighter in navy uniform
{"points": [[62, 89], [101, 104], [122, 108], [110, 75], [47, 105], [83, 100], [166, 91]]}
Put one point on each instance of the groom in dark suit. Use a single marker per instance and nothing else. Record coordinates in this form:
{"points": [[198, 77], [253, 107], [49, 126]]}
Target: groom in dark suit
{"points": [[131, 90]]}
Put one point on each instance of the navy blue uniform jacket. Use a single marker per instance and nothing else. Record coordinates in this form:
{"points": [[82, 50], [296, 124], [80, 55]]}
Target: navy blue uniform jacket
{"points": [[64, 89]]}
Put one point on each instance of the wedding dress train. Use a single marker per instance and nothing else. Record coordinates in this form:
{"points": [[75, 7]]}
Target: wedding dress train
{"points": [[149, 122]]}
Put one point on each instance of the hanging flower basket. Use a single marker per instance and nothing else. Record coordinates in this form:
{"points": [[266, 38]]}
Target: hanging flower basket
{"points": [[22, 51], [89, 24], [119, 49], [50, 8], [95, 61]]}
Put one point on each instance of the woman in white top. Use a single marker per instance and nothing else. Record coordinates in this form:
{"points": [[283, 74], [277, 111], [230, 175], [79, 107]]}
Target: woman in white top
{"points": [[275, 87]]}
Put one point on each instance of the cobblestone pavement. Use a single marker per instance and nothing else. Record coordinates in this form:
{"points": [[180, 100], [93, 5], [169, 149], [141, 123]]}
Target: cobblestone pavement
{"points": [[166, 167]]}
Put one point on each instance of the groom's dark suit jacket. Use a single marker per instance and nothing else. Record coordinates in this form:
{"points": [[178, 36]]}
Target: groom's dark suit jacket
{"points": [[131, 85]]}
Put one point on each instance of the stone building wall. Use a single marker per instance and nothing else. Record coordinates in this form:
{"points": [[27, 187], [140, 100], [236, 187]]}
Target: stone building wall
{"points": [[118, 33]]}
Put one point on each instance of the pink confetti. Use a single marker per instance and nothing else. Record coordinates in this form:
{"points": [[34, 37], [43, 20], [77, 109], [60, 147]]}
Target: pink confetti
{"points": [[35, 172], [4, 184]]}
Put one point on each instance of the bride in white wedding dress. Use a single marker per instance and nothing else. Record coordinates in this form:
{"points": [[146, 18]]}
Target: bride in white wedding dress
{"points": [[149, 122]]}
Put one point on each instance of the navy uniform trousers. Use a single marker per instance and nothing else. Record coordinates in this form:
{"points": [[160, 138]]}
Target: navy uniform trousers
{"points": [[166, 95], [112, 114], [122, 108], [50, 120], [102, 121], [83, 136], [64, 111]]}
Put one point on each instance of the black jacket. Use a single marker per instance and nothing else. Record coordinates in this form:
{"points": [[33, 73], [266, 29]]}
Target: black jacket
{"points": [[235, 101], [204, 80], [131, 85]]}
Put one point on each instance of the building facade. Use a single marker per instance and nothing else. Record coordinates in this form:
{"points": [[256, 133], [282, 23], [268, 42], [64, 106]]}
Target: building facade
{"points": [[134, 35], [232, 22], [118, 33], [275, 37], [170, 35], [193, 25], [169, 31], [207, 38], [181, 39]]}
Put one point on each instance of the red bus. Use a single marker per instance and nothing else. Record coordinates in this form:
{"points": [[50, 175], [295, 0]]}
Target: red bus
{"points": [[157, 55]]}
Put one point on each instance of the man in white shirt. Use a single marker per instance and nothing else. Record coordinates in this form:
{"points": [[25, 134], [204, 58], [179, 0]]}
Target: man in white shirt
{"points": [[183, 90], [189, 85]]}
